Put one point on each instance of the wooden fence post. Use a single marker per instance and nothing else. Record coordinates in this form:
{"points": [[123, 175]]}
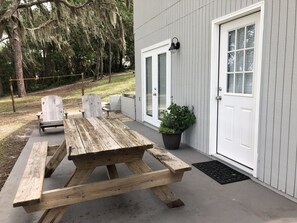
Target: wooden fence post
{"points": [[11, 93], [82, 85]]}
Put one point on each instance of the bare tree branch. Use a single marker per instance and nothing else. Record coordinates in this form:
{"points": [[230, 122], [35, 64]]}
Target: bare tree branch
{"points": [[1, 40], [30, 4], [42, 25], [7, 14]]}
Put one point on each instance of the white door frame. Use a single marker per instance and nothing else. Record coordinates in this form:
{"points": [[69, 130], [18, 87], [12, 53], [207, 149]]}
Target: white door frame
{"points": [[258, 7], [153, 50]]}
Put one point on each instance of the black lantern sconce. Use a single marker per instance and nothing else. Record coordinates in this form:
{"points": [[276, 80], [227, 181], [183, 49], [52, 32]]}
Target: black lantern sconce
{"points": [[175, 45]]}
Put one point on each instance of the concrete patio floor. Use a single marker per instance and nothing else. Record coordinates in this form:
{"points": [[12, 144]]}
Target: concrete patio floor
{"points": [[205, 200]]}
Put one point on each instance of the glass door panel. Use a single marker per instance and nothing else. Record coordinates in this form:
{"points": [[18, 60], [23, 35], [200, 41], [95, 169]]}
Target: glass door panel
{"points": [[149, 88], [240, 60], [161, 83]]}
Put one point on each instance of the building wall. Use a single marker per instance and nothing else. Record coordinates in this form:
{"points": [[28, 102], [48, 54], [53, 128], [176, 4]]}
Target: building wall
{"points": [[190, 21]]}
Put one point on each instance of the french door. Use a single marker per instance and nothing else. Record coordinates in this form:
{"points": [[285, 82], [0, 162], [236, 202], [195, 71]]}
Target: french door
{"points": [[237, 93], [156, 83]]}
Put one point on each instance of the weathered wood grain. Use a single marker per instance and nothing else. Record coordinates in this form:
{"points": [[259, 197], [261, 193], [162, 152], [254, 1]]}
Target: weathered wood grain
{"points": [[162, 192], [170, 161], [56, 214], [31, 184], [56, 159], [108, 158], [74, 144], [52, 149], [112, 172], [91, 105], [77, 194], [91, 136]]}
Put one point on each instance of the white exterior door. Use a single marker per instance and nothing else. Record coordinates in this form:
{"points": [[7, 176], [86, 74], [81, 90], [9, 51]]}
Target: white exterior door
{"points": [[156, 82], [237, 91]]}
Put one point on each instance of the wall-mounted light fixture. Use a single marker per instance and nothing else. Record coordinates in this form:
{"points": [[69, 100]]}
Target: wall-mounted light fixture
{"points": [[175, 45]]}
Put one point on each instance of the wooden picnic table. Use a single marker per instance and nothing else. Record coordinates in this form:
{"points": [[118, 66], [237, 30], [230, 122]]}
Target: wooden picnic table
{"points": [[89, 143]]}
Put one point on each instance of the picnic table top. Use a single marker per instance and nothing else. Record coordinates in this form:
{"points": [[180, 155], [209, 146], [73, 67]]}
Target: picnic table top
{"points": [[94, 136]]}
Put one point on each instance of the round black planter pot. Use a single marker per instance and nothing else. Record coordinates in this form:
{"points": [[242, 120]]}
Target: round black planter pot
{"points": [[171, 141]]}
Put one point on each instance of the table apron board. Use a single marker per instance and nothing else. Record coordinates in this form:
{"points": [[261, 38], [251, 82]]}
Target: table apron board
{"points": [[107, 159]]}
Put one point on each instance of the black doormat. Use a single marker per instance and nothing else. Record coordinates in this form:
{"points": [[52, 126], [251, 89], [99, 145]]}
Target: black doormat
{"points": [[220, 172]]}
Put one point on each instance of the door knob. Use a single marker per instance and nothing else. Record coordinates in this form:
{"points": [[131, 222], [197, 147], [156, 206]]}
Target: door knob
{"points": [[154, 94], [218, 98]]}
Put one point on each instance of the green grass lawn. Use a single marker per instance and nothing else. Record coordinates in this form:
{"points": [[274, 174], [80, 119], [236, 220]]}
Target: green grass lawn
{"points": [[16, 127], [71, 94]]}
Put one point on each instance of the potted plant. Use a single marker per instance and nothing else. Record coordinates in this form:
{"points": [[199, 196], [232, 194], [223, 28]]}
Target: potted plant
{"points": [[175, 120]]}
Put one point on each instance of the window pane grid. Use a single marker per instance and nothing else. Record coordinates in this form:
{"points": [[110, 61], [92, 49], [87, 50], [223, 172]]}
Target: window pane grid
{"points": [[240, 60]]}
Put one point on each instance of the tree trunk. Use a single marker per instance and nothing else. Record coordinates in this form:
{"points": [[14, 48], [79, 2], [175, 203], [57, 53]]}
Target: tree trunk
{"points": [[1, 88], [120, 65], [110, 60], [97, 68], [101, 66], [18, 58]]}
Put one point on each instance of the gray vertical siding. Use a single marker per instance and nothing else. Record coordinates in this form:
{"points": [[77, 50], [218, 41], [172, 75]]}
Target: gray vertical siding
{"points": [[190, 21]]}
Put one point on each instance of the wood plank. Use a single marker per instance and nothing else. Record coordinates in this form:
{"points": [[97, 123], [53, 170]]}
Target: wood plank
{"points": [[52, 108], [56, 159], [112, 172], [88, 136], [108, 158], [170, 161], [74, 145], [105, 137], [31, 184], [133, 135], [117, 133], [52, 149], [162, 192], [86, 192], [91, 105], [56, 214], [92, 135]]}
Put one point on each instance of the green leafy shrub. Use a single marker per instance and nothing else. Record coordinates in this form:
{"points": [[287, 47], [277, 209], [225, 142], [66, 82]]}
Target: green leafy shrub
{"points": [[176, 119]]}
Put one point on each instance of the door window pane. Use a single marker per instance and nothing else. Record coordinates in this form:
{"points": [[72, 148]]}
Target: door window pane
{"points": [[161, 83], [239, 60], [148, 74], [230, 83], [230, 62], [249, 60], [231, 40], [238, 83], [240, 38], [248, 83], [250, 36]]}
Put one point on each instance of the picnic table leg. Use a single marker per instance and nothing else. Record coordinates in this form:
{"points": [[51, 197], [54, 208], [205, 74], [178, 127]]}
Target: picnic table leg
{"points": [[162, 192], [56, 159], [55, 215], [112, 172]]}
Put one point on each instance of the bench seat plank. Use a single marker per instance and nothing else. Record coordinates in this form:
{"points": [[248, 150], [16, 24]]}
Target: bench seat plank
{"points": [[30, 188], [170, 161]]}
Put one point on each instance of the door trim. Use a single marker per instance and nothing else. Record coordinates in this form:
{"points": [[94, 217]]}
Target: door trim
{"points": [[165, 43], [258, 7]]}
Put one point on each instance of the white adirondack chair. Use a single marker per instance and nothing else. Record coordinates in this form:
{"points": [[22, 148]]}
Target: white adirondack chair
{"points": [[91, 106], [52, 112]]}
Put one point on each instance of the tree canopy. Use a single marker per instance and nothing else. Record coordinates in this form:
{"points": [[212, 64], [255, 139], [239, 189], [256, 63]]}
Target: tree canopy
{"points": [[77, 30]]}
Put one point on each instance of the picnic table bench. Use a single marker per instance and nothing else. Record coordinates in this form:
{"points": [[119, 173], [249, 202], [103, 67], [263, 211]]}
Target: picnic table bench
{"points": [[90, 143]]}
